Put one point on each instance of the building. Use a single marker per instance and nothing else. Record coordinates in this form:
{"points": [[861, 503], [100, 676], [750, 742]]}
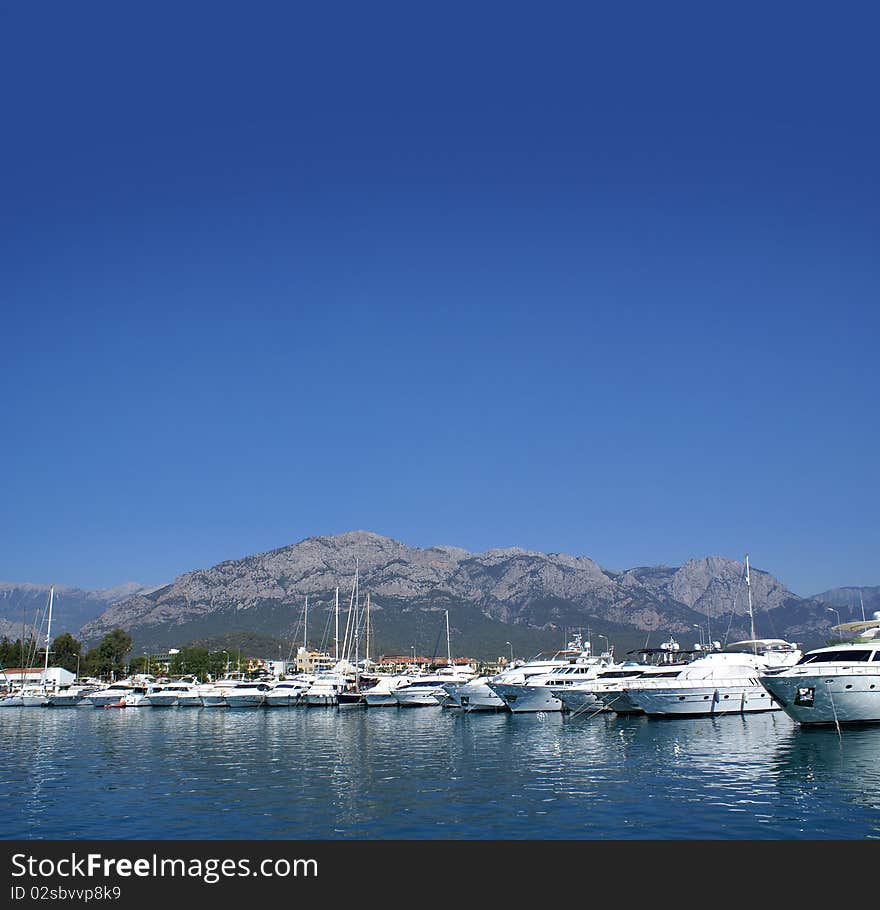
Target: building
{"points": [[313, 661], [54, 677]]}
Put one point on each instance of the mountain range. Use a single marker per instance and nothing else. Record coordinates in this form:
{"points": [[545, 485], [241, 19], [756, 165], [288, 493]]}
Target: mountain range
{"points": [[499, 600]]}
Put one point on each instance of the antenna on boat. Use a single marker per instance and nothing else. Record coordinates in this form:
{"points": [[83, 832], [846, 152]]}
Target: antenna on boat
{"points": [[751, 613], [862, 601]]}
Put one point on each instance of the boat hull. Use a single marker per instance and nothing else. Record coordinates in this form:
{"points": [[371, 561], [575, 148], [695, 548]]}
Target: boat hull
{"points": [[708, 700], [526, 699], [827, 698], [579, 701], [417, 698]]}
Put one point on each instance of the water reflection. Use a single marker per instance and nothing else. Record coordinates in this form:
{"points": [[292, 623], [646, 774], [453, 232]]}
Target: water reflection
{"points": [[425, 773]]}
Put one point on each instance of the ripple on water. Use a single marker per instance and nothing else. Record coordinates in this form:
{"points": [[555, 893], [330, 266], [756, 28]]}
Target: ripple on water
{"points": [[427, 773]]}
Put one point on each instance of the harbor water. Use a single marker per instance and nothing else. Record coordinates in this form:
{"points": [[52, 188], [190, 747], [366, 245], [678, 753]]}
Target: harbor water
{"points": [[430, 774]]}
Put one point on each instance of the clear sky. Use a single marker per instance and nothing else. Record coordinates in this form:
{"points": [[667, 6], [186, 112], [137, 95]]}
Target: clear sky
{"points": [[590, 278]]}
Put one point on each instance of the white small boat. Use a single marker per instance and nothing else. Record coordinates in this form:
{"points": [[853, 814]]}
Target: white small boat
{"points": [[288, 693]]}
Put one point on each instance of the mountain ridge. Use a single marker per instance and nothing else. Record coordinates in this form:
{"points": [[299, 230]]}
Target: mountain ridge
{"points": [[500, 589]]}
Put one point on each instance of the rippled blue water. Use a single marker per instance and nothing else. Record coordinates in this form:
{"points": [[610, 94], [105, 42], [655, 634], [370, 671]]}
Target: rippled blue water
{"points": [[427, 773]]}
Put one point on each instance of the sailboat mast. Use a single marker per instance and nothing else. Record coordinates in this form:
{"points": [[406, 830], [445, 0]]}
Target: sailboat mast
{"points": [[357, 634], [337, 624], [751, 613], [48, 632], [367, 631], [306, 627], [448, 645]]}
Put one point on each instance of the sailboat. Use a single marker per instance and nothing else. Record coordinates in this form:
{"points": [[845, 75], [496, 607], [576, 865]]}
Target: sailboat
{"points": [[325, 690], [34, 695]]}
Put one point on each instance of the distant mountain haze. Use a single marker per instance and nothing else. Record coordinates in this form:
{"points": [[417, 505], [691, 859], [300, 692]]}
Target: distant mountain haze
{"points": [[23, 605], [500, 599]]}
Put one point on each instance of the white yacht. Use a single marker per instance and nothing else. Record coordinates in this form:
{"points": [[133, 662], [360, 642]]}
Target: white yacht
{"points": [[539, 692], [584, 696], [250, 694], [173, 695], [477, 696], [615, 697], [287, 693], [837, 684], [73, 696], [606, 692], [721, 682], [126, 693], [30, 696], [381, 695], [327, 685], [427, 691]]}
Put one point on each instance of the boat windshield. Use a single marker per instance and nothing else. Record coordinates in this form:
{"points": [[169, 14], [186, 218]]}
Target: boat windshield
{"points": [[844, 656]]}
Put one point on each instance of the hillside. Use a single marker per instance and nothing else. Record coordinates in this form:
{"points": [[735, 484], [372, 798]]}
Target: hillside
{"points": [[502, 596]]}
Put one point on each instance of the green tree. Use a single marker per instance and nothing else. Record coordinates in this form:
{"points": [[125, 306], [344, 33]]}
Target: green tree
{"points": [[138, 664], [65, 652], [109, 657]]}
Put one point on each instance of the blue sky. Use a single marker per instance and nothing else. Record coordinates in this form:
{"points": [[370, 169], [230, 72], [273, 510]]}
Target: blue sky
{"points": [[565, 277]]}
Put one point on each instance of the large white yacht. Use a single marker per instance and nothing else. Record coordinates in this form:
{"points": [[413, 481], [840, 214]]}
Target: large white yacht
{"points": [[128, 693], [233, 692], [381, 695], [539, 692], [427, 691], [328, 684], [476, 694], [73, 696], [837, 684], [250, 694], [720, 682], [606, 691], [615, 697], [172, 695], [287, 693]]}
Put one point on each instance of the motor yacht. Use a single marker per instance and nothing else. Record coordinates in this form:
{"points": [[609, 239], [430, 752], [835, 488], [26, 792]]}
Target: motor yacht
{"points": [[127, 693], [250, 694], [327, 685], [173, 695], [614, 696], [539, 692], [606, 692], [381, 695], [428, 690], [73, 696], [720, 682], [29, 696], [837, 684], [287, 693]]}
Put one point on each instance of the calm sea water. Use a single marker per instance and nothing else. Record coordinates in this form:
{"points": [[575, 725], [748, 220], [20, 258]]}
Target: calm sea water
{"points": [[428, 773]]}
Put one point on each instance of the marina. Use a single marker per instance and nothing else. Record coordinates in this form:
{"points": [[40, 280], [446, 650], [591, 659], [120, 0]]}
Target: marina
{"points": [[431, 773]]}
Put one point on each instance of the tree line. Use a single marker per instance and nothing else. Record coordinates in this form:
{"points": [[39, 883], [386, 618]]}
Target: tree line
{"points": [[108, 659]]}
